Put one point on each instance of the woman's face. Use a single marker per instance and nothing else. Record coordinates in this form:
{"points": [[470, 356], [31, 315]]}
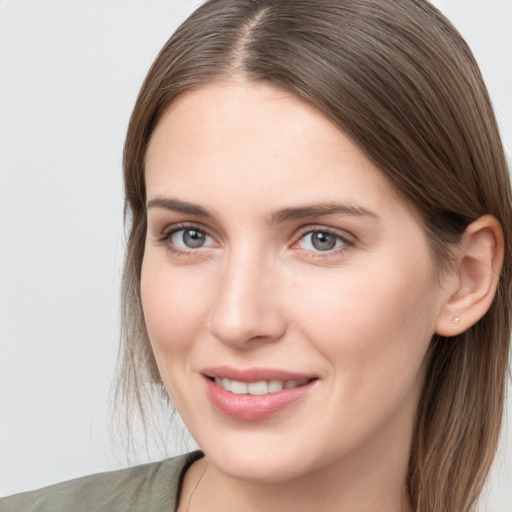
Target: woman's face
{"points": [[288, 291]]}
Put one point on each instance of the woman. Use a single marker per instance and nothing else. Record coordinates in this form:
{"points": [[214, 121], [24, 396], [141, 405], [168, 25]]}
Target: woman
{"points": [[318, 265]]}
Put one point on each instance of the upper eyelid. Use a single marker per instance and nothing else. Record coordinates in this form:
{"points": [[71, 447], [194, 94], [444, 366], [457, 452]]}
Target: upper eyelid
{"points": [[341, 233], [173, 228], [164, 237]]}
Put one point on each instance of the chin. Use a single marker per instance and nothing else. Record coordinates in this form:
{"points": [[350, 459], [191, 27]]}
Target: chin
{"points": [[261, 458], [259, 468]]}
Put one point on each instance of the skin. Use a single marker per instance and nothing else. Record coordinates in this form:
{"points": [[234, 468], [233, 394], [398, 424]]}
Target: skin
{"points": [[258, 294]]}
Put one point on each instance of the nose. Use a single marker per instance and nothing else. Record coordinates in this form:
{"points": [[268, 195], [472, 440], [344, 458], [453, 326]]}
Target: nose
{"points": [[247, 309]]}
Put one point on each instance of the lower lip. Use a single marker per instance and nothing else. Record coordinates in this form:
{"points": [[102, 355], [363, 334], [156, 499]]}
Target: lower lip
{"points": [[253, 407]]}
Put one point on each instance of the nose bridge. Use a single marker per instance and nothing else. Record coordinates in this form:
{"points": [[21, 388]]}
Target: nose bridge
{"points": [[247, 305]]}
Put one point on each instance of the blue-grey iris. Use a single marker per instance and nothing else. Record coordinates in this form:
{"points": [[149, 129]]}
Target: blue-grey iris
{"points": [[193, 238], [323, 241]]}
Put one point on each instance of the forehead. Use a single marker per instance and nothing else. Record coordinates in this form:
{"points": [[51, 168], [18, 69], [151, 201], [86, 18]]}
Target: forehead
{"points": [[256, 144]]}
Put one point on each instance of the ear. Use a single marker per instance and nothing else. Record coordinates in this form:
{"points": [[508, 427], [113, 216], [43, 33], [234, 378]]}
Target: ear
{"points": [[473, 281]]}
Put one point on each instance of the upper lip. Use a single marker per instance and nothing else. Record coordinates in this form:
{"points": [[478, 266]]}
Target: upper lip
{"points": [[254, 374]]}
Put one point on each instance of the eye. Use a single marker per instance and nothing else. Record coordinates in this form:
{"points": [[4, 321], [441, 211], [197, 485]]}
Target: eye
{"points": [[322, 240], [183, 239], [189, 238]]}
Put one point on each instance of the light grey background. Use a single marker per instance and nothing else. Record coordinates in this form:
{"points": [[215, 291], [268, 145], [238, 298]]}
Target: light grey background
{"points": [[69, 75]]}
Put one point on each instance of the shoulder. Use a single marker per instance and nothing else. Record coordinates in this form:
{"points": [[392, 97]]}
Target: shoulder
{"points": [[150, 487]]}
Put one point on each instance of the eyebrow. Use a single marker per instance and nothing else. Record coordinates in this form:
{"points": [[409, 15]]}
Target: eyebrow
{"points": [[175, 205], [277, 217], [319, 210]]}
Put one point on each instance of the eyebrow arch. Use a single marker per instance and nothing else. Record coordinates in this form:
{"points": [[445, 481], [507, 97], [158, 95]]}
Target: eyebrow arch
{"points": [[176, 205], [279, 216], [318, 210]]}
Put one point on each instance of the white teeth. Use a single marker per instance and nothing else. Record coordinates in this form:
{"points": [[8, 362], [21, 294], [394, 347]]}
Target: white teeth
{"points": [[258, 388], [275, 385], [237, 387], [226, 384]]}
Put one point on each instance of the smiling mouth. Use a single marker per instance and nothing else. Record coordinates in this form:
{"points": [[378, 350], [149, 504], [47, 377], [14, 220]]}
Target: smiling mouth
{"points": [[262, 387], [257, 393]]}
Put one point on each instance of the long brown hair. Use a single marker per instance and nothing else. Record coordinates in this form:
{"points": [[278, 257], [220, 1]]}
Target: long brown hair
{"points": [[401, 82]]}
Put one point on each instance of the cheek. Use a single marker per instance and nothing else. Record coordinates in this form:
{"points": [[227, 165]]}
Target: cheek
{"points": [[374, 328], [173, 304]]}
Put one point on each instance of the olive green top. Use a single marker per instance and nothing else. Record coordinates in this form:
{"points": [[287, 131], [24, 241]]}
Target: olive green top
{"points": [[151, 487]]}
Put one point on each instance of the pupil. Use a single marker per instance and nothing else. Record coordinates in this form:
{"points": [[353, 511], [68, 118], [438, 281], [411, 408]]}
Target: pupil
{"points": [[323, 241], [193, 238]]}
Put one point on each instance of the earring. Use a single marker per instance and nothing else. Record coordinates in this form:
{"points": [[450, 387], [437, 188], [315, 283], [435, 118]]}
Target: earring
{"points": [[456, 320]]}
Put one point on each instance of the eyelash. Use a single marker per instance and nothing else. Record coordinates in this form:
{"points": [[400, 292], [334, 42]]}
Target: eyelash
{"points": [[347, 243], [166, 235]]}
